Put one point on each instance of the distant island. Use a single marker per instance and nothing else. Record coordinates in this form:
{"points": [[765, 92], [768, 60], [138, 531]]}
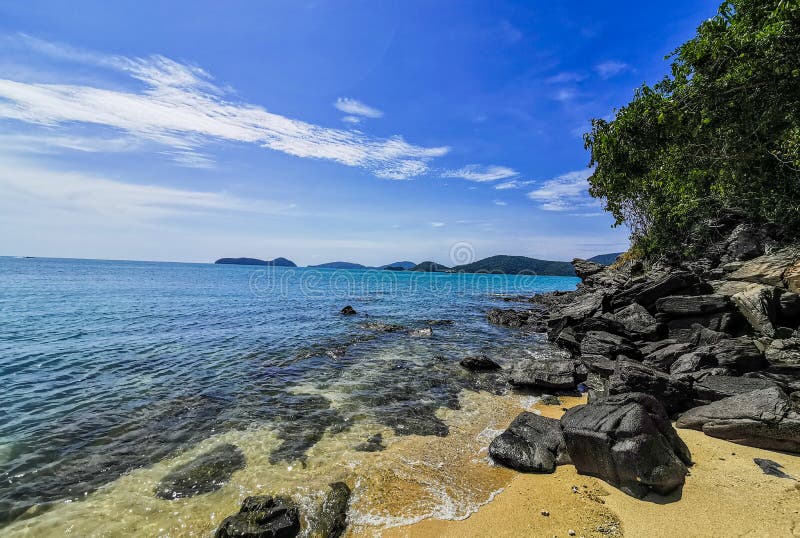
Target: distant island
{"points": [[277, 262], [508, 265]]}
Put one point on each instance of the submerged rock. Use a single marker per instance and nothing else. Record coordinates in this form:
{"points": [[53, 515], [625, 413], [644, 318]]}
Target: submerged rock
{"points": [[628, 441], [531, 444], [763, 418], [479, 363], [425, 332], [204, 474], [380, 326], [525, 319], [331, 521], [262, 517], [348, 311], [373, 444]]}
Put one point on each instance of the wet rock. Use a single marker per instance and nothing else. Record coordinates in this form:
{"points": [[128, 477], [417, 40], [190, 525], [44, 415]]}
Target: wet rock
{"points": [[547, 373], [206, 473], [760, 305], [373, 444], [332, 520], [527, 319], [262, 517], [762, 418], [531, 444], [628, 441], [348, 311], [425, 332], [438, 322], [479, 363], [716, 387], [692, 305], [630, 376], [585, 268], [771, 468], [663, 358]]}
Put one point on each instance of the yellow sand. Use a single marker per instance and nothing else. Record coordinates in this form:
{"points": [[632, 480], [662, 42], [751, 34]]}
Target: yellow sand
{"points": [[725, 495]]}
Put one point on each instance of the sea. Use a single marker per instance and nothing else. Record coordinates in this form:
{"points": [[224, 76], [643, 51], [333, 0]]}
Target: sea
{"points": [[115, 373]]}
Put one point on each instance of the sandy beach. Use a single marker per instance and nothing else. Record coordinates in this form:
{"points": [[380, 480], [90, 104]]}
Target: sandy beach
{"points": [[726, 494]]}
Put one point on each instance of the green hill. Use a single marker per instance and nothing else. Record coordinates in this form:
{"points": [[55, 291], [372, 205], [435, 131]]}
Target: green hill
{"points": [[514, 265], [277, 262], [339, 265], [605, 259], [430, 267]]}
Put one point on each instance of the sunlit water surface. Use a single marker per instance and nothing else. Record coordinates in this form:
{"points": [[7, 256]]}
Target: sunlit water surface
{"points": [[113, 373]]}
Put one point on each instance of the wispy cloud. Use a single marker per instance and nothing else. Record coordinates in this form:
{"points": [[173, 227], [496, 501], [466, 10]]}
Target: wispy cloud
{"points": [[476, 172], [181, 108], [566, 77], [513, 184], [566, 192], [500, 203], [611, 69], [437, 224], [352, 107]]}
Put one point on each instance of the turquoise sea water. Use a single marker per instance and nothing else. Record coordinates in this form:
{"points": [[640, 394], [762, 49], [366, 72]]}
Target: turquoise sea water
{"points": [[110, 366]]}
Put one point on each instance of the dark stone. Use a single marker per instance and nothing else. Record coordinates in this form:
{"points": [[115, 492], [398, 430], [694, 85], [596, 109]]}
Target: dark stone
{"points": [[480, 363], [663, 357], [599, 364], [439, 322], [784, 351], [582, 306], [585, 268], [262, 517], [332, 519], [531, 444], [692, 305], [379, 326], [608, 345], [762, 418], [716, 387], [637, 322], [703, 336], [648, 292], [684, 329], [206, 473], [771, 468], [630, 376], [528, 319], [373, 444], [789, 309], [348, 311], [745, 242], [628, 441], [760, 305], [787, 377], [547, 373]]}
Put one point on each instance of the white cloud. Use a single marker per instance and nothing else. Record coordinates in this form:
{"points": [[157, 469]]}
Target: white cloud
{"points": [[500, 203], [565, 77], [437, 224], [351, 119], [565, 94], [564, 193], [181, 108], [46, 142], [353, 107], [513, 184], [611, 68], [475, 172]]}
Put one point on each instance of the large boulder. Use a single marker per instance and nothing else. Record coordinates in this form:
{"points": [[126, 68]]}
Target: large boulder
{"points": [[547, 373], [631, 376], [637, 323], [785, 376], [773, 269], [683, 329], [717, 387], [763, 418], [607, 344], [745, 242], [628, 441], [585, 268], [262, 517], [648, 292], [531, 444], [760, 305], [204, 474]]}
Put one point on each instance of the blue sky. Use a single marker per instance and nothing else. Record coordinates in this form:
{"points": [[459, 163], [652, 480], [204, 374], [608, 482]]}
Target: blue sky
{"points": [[318, 131]]}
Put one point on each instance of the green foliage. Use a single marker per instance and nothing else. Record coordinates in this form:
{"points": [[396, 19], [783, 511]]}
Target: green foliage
{"points": [[723, 131]]}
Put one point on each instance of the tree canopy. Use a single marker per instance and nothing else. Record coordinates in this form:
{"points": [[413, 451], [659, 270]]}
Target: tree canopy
{"points": [[721, 132]]}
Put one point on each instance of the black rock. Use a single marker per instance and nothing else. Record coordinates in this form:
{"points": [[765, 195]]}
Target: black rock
{"points": [[716, 387], [348, 311], [771, 468], [628, 441], [373, 444], [630, 376], [787, 377], [379, 326], [762, 418], [586, 268], [684, 329], [332, 519], [549, 374], [206, 473], [479, 363], [740, 355], [662, 358], [262, 517], [648, 292], [696, 305], [508, 317], [608, 345], [637, 323], [531, 444]]}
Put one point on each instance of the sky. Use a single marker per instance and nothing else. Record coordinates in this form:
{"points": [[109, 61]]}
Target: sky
{"points": [[369, 131]]}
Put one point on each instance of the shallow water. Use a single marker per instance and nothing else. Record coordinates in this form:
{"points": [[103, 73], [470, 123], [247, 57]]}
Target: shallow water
{"points": [[116, 372]]}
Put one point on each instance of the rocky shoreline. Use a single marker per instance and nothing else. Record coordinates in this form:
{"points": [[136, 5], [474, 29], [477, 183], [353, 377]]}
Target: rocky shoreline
{"points": [[712, 343]]}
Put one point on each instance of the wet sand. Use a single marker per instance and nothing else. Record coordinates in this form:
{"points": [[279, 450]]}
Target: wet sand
{"points": [[725, 495]]}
